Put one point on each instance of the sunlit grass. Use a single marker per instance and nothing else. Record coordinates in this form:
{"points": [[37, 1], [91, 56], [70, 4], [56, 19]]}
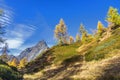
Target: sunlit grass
{"points": [[32, 76], [63, 52], [100, 50]]}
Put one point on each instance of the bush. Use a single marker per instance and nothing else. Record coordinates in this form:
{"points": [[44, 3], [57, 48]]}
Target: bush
{"points": [[6, 73]]}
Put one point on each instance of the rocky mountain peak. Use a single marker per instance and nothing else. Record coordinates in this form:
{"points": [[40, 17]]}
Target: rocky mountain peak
{"points": [[32, 52]]}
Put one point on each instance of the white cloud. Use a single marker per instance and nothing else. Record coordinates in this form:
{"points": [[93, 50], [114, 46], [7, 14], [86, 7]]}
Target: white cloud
{"points": [[18, 34], [14, 43]]}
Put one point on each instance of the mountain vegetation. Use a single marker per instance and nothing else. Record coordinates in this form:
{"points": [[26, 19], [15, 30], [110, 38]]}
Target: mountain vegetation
{"points": [[8, 72], [60, 32], [87, 57], [90, 57]]}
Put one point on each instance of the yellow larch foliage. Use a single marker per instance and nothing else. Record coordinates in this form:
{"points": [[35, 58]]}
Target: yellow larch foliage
{"points": [[113, 16], [100, 28], [78, 38], [14, 62], [23, 62], [60, 32], [71, 40]]}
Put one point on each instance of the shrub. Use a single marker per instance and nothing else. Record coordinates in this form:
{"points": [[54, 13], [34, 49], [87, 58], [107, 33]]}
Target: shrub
{"points": [[6, 73]]}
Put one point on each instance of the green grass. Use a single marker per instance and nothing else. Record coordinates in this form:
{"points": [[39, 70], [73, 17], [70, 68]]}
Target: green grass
{"points": [[100, 50], [62, 53], [56, 55]]}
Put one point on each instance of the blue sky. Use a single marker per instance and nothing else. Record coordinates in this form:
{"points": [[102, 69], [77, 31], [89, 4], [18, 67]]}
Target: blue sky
{"points": [[29, 21]]}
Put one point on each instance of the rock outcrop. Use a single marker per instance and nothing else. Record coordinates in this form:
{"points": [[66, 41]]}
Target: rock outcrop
{"points": [[32, 52]]}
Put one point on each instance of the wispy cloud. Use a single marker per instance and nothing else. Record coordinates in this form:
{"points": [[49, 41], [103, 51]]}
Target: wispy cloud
{"points": [[16, 51], [14, 43], [18, 34], [7, 14]]}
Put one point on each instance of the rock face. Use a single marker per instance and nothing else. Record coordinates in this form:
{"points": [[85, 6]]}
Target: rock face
{"points": [[11, 57], [32, 52]]}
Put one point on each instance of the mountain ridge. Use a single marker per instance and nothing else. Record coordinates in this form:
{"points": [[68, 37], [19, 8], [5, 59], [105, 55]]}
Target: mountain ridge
{"points": [[32, 52]]}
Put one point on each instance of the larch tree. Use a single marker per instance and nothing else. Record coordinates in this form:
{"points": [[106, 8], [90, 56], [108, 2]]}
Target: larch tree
{"points": [[9, 63], [83, 33], [100, 28], [71, 40], [78, 38], [22, 63], [4, 56], [14, 62], [113, 16], [60, 32], [82, 29], [84, 38]]}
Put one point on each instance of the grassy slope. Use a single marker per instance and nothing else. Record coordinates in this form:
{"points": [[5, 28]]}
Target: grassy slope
{"points": [[56, 59], [61, 53], [56, 55], [101, 61], [8, 73], [105, 48]]}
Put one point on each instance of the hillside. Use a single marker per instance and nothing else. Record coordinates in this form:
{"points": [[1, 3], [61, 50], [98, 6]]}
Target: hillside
{"points": [[59, 40], [8, 72], [97, 60]]}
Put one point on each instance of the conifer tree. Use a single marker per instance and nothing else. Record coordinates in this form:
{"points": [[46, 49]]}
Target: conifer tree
{"points": [[60, 32], [78, 38], [84, 37], [82, 30], [23, 62], [9, 63], [14, 62], [5, 56], [71, 40], [83, 33], [100, 28], [113, 16]]}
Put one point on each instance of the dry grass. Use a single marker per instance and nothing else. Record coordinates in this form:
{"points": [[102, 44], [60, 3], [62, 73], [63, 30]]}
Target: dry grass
{"points": [[32, 76], [96, 69], [39, 73], [92, 70]]}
